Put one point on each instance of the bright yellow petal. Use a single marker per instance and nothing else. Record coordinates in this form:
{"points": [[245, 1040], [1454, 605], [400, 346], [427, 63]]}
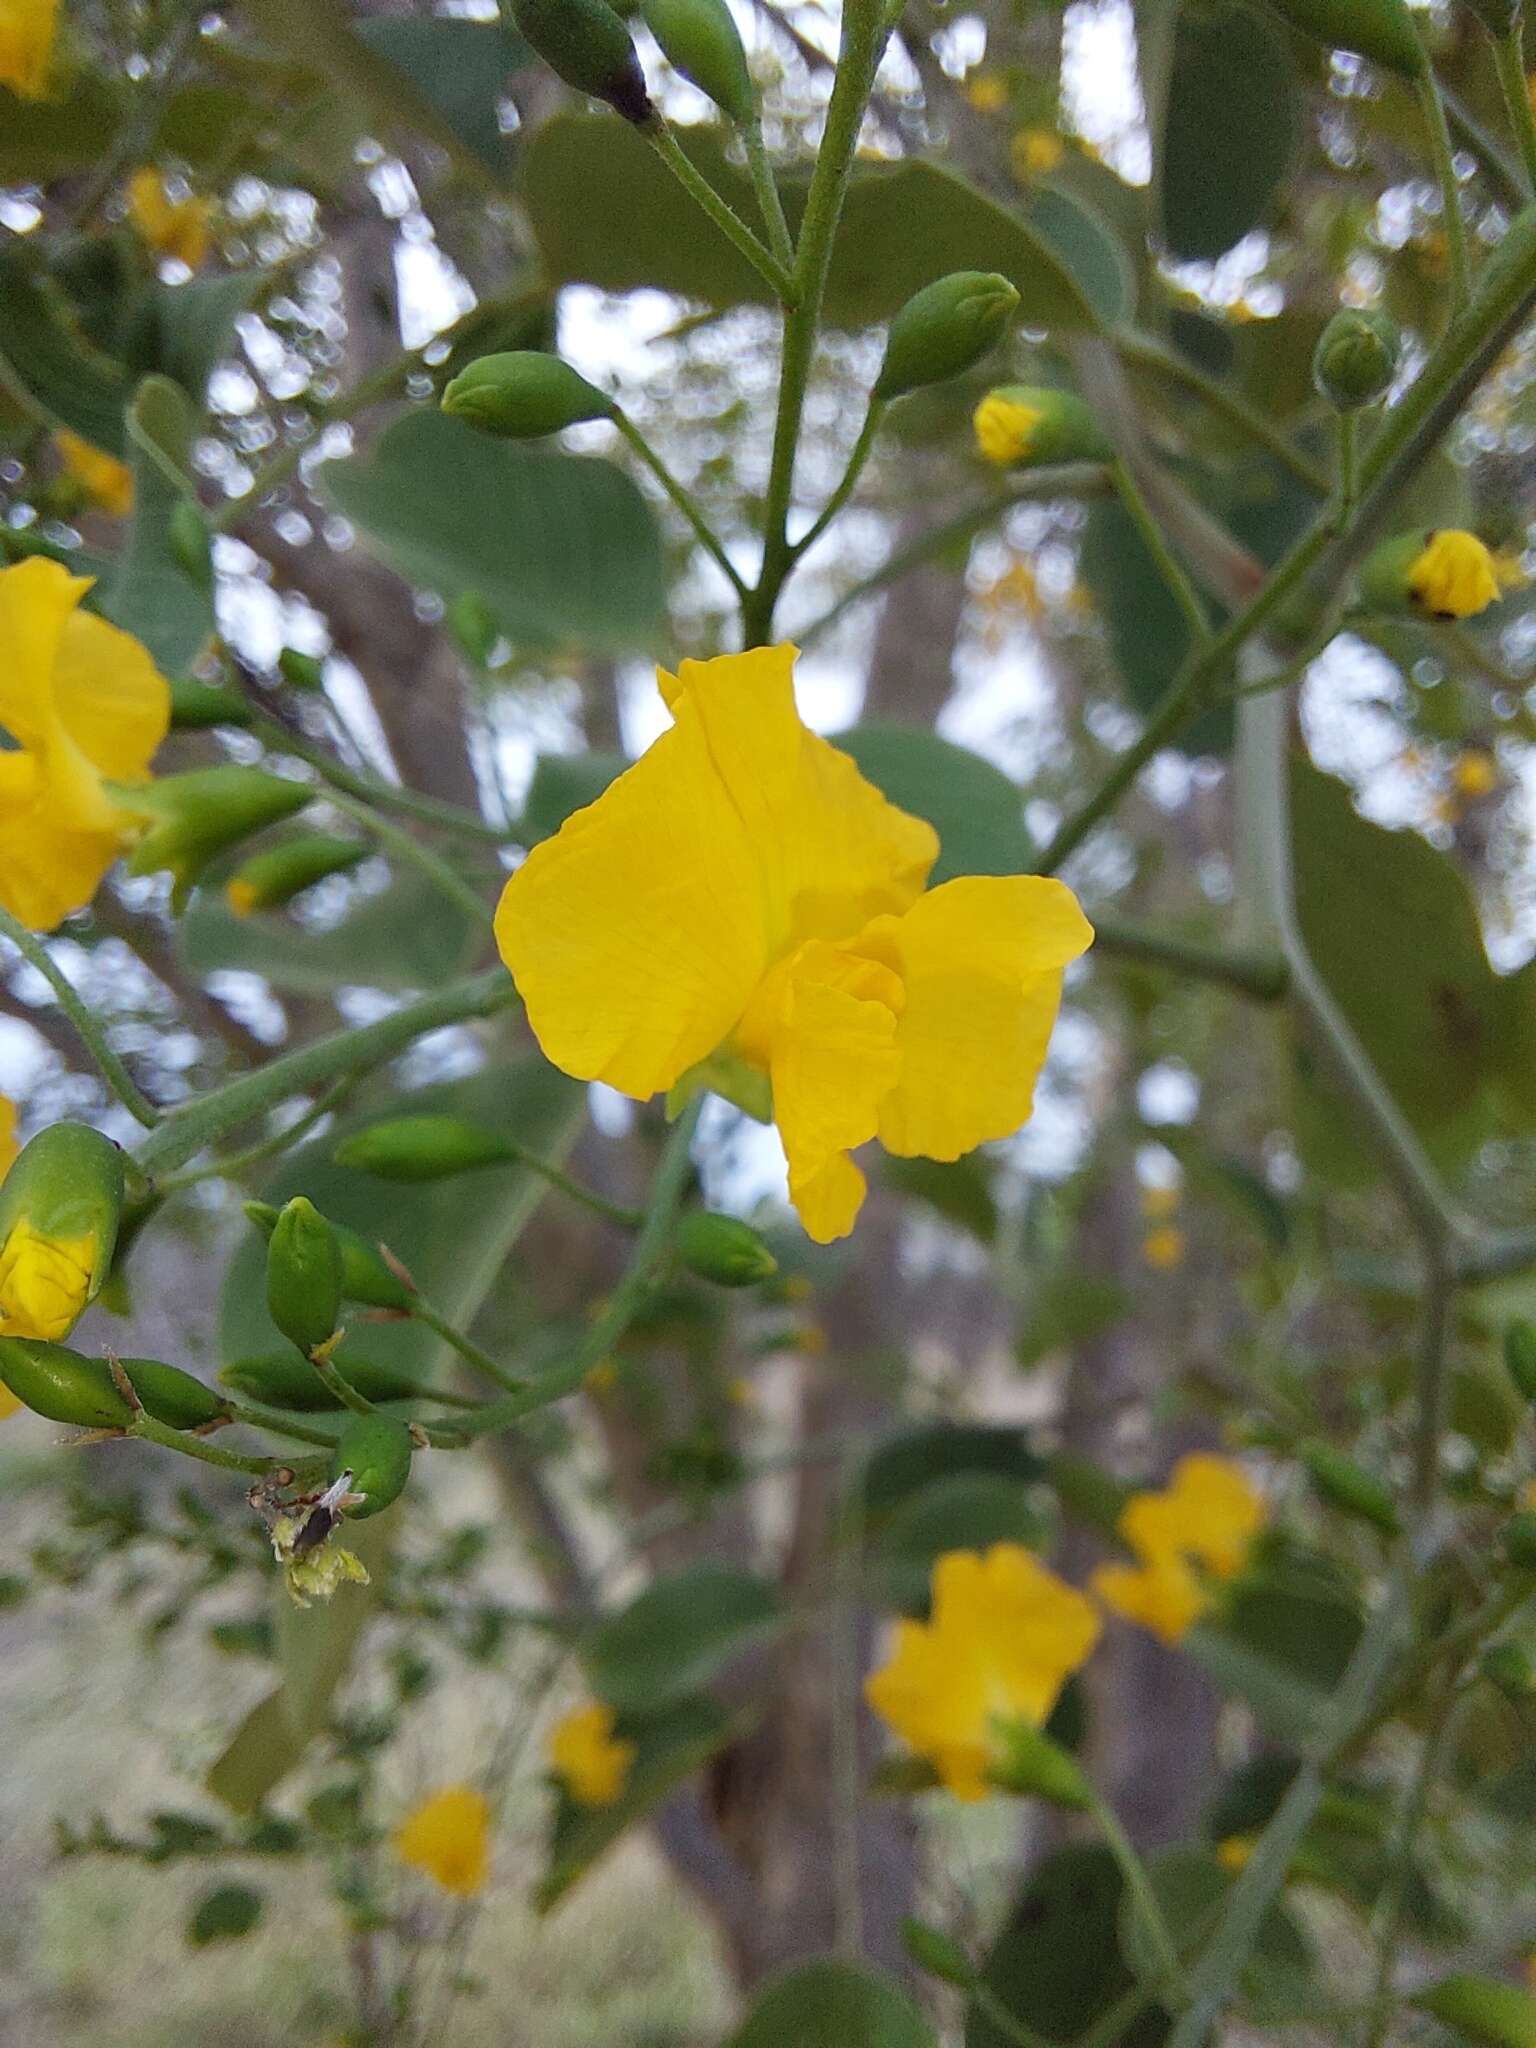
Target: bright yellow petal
{"points": [[449, 1837], [1221, 1510], [635, 935], [831, 851], [8, 1145], [111, 699], [981, 960], [27, 30], [37, 597], [47, 869], [933, 1695], [1164, 1597]]}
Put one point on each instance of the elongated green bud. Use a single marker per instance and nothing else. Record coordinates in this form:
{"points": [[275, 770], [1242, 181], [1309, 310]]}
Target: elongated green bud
{"points": [[66, 1386], [937, 1953], [1520, 1356], [172, 1396], [195, 706], [1380, 30], [192, 818], [724, 1249], [1507, 1666], [1026, 426], [269, 880], [1030, 1763], [585, 43], [1482, 2009], [186, 533], [302, 671], [700, 39], [365, 1275], [376, 1451], [1349, 1487], [473, 625], [1356, 359], [414, 1148], [282, 1380], [304, 1275], [60, 1208], [945, 330], [1519, 1539], [523, 394]]}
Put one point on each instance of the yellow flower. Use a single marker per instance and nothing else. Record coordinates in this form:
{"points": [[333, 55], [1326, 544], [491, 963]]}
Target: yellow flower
{"points": [[241, 896], [1004, 1636], [988, 93], [1235, 1852], [26, 45], [587, 1757], [1207, 1516], [1035, 153], [1454, 576], [742, 910], [1163, 1248], [1163, 1596], [449, 1837], [171, 227], [45, 1282], [1005, 428], [107, 482], [84, 703], [1475, 773]]}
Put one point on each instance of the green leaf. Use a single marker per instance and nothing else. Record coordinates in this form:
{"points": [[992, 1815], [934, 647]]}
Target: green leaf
{"points": [[669, 1748], [959, 1190], [677, 1634], [562, 783], [1229, 128], [460, 67], [185, 330], [226, 1913], [976, 810], [1481, 2009], [1283, 1649], [607, 212], [41, 140], [1190, 1886], [47, 360], [1069, 1307], [962, 1511], [830, 2004], [912, 1459], [151, 595], [563, 549]]}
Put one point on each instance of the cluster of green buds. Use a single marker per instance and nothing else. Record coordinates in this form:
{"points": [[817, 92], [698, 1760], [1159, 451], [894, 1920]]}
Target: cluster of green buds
{"points": [[190, 819], [366, 1275], [586, 43]]}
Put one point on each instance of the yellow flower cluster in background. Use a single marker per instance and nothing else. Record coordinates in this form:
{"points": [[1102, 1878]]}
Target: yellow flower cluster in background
{"points": [[1003, 1637], [1200, 1527], [587, 1757], [85, 705], [107, 482], [171, 227], [741, 910], [448, 1836], [27, 30], [1035, 153]]}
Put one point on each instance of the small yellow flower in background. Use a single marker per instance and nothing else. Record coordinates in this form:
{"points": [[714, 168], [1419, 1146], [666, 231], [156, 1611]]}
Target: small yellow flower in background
{"points": [[107, 482], [988, 92], [1475, 773], [797, 1288], [586, 1756], [1163, 1248], [1454, 576], [1005, 428], [1208, 1516], [1159, 1203], [27, 30], [1235, 1853], [449, 1837], [171, 227], [240, 896], [85, 705], [1035, 153], [742, 911], [1003, 1637]]}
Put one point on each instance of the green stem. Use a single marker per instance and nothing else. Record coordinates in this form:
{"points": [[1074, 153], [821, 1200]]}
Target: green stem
{"points": [[766, 191], [1263, 976], [724, 216], [1146, 352], [589, 1198], [468, 1350], [187, 1131], [144, 1425], [850, 478], [113, 1071], [1504, 179], [1167, 564], [1509, 61], [987, 2001], [373, 789], [341, 1391], [278, 1422], [683, 499], [440, 873], [1138, 1887], [863, 37], [240, 1163], [1441, 156], [1392, 1900], [1348, 444]]}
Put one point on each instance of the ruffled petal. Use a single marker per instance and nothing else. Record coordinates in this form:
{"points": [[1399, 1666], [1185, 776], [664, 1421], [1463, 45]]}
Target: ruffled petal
{"points": [[37, 596], [47, 868], [981, 960], [111, 699]]}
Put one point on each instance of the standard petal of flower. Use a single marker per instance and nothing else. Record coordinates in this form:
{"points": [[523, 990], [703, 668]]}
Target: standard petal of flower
{"points": [[635, 935], [111, 699], [1164, 1597], [1220, 1511], [933, 1695], [981, 960], [1031, 1628], [37, 596], [831, 851], [47, 869]]}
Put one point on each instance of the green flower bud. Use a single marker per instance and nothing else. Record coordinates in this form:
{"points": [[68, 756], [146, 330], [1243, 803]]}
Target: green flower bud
{"points": [[282, 1380], [304, 1276], [192, 818], [60, 1208], [1355, 359], [269, 880], [303, 671], [473, 625], [523, 394], [1519, 1539], [700, 39], [1506, 1666], [1031, 1764], [1026, 426], [1380, 30], [414, 1148], [186, 533], [1348, 1487], [1520, 1356], [195, 706], [724, 1249], [365, 1276], [585, 43], [66, 1386], [172, 1396], [1481, 2009], [944, 330], [376, 1451], [937, 1953]]}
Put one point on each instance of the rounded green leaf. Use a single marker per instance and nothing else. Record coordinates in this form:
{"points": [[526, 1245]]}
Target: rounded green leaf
{"points": [[1229, 128], [828, 2004], [676, 1635]]}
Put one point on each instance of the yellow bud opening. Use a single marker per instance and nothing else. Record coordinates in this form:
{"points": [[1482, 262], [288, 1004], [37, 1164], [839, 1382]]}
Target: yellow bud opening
{"points": [[240, 896], [45, 1283], [1005, 428], [1035, 153], [1454, 577]]}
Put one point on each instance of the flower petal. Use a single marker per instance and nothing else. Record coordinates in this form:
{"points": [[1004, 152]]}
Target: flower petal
{"points": [[981, 960], [37, 596], [47, 869], [111, 699]]}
